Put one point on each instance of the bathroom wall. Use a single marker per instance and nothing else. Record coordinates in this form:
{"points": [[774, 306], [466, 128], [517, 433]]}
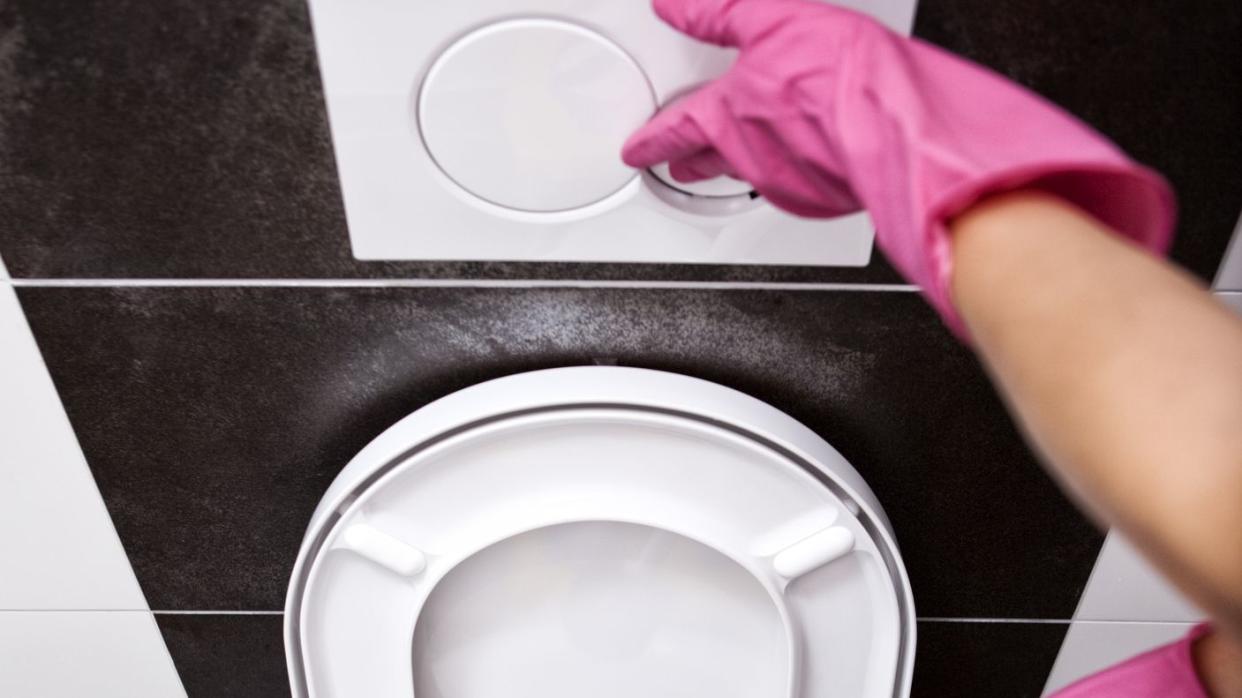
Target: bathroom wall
{"points": [[171, 219], [73, 621]]}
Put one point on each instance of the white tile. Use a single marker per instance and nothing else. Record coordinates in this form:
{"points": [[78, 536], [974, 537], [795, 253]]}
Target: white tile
{"points": [[59, 548], [102, 654], [1123, 586], [1233, 300], [1090, 647], [1229, 277]]}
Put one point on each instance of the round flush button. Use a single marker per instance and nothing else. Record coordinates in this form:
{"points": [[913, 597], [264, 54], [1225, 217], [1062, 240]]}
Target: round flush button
{"points": [[714, 188], [530, 114]]}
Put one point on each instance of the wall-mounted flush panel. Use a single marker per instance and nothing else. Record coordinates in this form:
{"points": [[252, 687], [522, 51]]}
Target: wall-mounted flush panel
{"points": [[492, 129]]}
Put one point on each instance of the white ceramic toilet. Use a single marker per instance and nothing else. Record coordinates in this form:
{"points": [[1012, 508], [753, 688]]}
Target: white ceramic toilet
{"points": [[605, 532]]}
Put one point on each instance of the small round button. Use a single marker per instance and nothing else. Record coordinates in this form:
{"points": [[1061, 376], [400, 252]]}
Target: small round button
{"points": [[716, 187], [530, 114]]}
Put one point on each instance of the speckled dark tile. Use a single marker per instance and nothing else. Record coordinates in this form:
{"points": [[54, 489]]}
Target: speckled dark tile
{"points": [[985, 660], [188, 138], [214, 418], [241, 656], [236, 656]]}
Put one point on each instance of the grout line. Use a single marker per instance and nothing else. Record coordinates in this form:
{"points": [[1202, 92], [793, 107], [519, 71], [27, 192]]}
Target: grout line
{"points": [[478, 283], [1013, 621], [142, 610], [459, 283], [1029, 621], [218, 613], [1054, 621], [74, 610]]}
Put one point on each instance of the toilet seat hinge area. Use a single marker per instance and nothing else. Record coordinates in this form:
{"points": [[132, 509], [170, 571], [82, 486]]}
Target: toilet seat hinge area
{"points": [[814, 551], [383, 549]]}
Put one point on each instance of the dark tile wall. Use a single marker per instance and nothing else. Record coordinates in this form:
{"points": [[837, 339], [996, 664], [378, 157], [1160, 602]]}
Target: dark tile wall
{"points": [[984, 660], [214, 418], [187, 139], [227, 656]]}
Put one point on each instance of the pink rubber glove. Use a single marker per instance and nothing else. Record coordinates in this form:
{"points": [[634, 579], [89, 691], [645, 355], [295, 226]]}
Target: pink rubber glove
{"points": [[826, 111], [1165, 672]]}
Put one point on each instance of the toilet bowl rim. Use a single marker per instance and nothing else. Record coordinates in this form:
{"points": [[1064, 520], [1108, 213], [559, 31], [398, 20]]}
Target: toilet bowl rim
{"points": [[781, 439]]}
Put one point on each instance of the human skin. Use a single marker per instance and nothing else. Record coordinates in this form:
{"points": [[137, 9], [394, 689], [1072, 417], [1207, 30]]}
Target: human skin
{"points": [[1125, 373]]}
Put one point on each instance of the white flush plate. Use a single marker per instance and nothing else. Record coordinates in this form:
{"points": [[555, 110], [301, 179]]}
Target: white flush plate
{"points": [[491, 130]]}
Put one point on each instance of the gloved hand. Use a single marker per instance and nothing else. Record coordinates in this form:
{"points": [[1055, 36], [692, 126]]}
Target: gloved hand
{"points": [[826, 111]]}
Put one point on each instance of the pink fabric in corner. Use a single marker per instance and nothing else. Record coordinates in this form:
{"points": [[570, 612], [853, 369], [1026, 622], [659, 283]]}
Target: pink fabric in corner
{"points": [[1165, 672]]}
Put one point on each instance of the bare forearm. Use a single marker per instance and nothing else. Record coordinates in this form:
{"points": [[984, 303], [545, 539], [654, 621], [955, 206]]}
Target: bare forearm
{"points": [[1125, 373]]}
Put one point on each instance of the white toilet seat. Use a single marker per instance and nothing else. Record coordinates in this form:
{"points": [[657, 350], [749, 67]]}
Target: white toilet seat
{"points": [[599, 531]]}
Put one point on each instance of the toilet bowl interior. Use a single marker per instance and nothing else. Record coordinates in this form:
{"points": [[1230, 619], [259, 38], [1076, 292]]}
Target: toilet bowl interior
{"points": [[604, 608]]}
